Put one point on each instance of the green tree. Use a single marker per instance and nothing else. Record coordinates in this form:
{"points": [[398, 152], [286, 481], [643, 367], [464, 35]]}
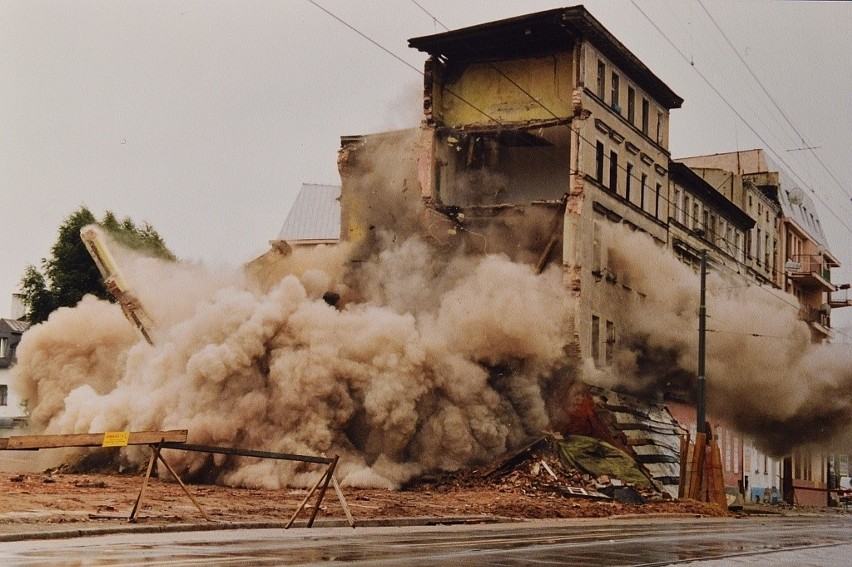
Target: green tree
{"points": [[70, 273]]}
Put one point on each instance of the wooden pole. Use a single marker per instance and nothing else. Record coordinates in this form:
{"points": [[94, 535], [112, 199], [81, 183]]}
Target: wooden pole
{"points": [[154, 454], [305, 501], [328, 474], [185, 489], [343, 503]]}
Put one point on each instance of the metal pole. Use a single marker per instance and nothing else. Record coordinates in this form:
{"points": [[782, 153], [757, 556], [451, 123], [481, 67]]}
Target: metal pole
{"points": [[701, 396]]}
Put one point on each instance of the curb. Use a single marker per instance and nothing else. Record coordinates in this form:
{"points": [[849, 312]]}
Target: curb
{"points": [[50, 534]]}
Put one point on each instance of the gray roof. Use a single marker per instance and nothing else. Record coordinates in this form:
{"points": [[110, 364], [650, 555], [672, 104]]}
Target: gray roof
{"points": [[314, 216], [796, 204], [16, 326]]}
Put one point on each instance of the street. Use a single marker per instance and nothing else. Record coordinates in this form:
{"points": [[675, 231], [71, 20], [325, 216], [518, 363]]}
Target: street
{"points": [[812, 540]]}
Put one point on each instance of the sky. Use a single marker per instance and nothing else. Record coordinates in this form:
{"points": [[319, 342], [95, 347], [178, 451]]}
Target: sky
{"points": [[205, 118]]}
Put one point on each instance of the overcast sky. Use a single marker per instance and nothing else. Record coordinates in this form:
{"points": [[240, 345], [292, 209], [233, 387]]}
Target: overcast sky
{"points": [[204, 118]]}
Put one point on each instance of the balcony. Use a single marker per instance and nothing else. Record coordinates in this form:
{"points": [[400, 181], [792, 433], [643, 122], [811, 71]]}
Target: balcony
{"points": [[819, 319], [809, 270], [840, 298]]}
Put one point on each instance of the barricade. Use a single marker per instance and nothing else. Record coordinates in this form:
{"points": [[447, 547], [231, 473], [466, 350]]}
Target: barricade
{"points": [[176, 440]]}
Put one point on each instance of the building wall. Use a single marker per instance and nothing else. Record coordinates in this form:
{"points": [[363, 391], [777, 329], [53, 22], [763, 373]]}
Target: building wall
{"points": [[762, 474], [463, 96], [623, 179], [729, 439], [10, 403]]}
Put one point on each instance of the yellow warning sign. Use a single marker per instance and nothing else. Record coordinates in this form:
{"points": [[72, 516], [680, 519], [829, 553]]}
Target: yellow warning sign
{"points": [[116, 439]]}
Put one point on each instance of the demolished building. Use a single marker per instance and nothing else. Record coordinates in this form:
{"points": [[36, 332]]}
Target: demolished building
{"points": [[545, 139], [540, 134]]}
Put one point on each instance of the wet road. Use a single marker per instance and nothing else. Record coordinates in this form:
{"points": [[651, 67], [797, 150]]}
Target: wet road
{"points": [[823, 541]]}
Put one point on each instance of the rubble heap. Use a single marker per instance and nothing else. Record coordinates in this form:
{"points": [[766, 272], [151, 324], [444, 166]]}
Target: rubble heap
{"points": [[574, 467]]}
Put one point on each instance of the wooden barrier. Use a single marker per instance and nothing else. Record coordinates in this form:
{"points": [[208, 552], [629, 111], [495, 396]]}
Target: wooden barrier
{"points": [[701, 475], [108, 439], [176, 440]]}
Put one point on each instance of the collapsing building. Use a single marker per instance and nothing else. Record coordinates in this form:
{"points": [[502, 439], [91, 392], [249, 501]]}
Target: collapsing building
{"points": [[545, 139], [540, 133]]}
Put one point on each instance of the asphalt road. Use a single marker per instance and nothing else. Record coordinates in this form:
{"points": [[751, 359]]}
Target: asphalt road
{"points": [[818, 540]]}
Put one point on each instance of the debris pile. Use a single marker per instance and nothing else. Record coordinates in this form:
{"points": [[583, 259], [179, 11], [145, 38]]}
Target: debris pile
{"points": [[572, 467]]}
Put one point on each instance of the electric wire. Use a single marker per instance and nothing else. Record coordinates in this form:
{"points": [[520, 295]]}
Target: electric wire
{"points": [[657, 196], [583, 138], [772, 99], [740, 116]]}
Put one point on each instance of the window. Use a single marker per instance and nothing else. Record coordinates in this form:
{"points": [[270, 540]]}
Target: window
{"points": [[631, 105], [610, 342], [696, 212], [759, 241], [645, 111], [601, 79], [676, 205], [705, 223], [766, 250], [659, 127], [642, 185], [613, 99], [596, 338], [613, 172], [599, 162], [657, 200], [628, 181], [597, 260], [687, 220], [4, 347], [4, 395]]}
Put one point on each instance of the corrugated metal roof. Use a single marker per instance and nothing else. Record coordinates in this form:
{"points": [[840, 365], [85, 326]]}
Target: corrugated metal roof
{"points": [[796, 204], [16, 326], [651, 433], [314, 216]]}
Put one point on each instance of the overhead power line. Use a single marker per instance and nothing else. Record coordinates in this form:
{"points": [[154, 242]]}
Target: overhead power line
{"points": [[805, 145], [584, 139], [737, 113]]}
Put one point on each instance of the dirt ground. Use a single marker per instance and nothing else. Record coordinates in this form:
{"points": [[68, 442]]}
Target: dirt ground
{"points": [[44, 498]]}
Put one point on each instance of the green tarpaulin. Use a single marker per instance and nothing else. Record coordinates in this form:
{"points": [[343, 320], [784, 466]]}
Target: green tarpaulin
{"points": [[597, 458]]}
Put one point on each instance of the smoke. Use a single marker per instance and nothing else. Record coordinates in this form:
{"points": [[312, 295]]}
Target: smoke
{"points": [[430, 360], [764, 374], [396, 387], [435, 356]]}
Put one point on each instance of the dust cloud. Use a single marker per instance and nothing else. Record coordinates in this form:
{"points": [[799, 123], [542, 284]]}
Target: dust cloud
{"points": [[764, 374], [431, 356], [430, 360]]}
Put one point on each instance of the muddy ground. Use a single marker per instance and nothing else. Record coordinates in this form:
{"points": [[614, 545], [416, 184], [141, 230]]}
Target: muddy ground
{"points": [[44, 498]]}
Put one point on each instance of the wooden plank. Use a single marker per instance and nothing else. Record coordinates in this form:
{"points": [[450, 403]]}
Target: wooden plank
{"points": [[696, 474], [718, 479], [328, 475], [684, 456], [183, 486], [247, 453], [343, 503], [27, 442], [138, 504]]}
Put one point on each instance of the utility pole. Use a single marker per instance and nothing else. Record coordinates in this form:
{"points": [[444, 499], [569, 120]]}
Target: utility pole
{"points": [[701, 396]]}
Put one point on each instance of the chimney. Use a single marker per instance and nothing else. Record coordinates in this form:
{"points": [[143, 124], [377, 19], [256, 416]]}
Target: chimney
{"points": [[18, 309]]}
